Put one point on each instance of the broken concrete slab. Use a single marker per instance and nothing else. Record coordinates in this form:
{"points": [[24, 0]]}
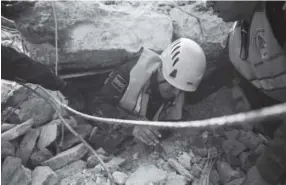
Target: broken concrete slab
{"points": [[21, 176], [185, 160], [119, 177], [249, 139], [70, 169], [66, 157], [70, 140], [7, 149], [180, 169], [9, 167], [226, 173], [48, 135], [40, 156], [27, 145], [173, 178], [17, 131], [6, 126], [42, 174], [233, 146], [38, 109], [147, 174]]}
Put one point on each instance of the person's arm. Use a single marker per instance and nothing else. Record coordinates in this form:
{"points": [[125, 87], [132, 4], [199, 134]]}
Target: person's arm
{"points": [[19, 67]]}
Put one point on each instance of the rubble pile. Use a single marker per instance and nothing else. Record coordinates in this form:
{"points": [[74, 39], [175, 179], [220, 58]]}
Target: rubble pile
{"points": [[33, 152]]}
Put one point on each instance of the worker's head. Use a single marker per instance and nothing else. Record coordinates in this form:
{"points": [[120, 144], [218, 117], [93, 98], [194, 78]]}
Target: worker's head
{"points": [[231, 11], [183, 66]]}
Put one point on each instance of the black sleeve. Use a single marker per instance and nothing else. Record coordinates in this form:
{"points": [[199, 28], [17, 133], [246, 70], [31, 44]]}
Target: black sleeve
{"points": [[19, 67], [219, 73]]}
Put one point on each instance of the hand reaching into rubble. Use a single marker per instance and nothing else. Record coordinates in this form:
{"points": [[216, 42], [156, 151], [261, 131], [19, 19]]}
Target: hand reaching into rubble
{"points": [[147, 135]]}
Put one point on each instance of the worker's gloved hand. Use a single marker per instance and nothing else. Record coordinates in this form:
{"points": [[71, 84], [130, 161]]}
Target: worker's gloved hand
{"points": [[147, 135]]}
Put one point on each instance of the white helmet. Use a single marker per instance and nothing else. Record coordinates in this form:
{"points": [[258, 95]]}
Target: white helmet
{"points": [[183, 64]]}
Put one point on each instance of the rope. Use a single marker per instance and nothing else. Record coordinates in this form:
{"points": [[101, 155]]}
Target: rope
{"points": [[56, 37], [242, 118]]}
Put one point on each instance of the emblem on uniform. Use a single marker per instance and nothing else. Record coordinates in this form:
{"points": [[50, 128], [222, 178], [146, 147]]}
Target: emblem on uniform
{"points": [[119, 83], [261, 43]]}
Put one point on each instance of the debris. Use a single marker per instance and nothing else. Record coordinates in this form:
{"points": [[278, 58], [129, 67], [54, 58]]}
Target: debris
{"points": [[202, 152], [92, 160], [115, 163], [6, 126], [173, 178], [185, 160], [71, 169], [236, 182], [244, 160], [7, 149], [180, 169], [9, 167], [249, 139], [260, 149], [21, 176], [17, 130], [48, 134], [70, 139], [233, 146], [147, 174], [36, 108], [10, 115], [27, 145], [233, 160], [42, 174], [232, 134], [226, 173], [119, 177], [212, 152], [196, 170], [214, 177], [66, 157], [40, 156]]}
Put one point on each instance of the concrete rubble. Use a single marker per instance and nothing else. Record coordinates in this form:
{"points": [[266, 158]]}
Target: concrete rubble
{"points": [[35, 152]]}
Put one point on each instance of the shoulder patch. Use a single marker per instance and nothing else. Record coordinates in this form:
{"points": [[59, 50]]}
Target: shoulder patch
{"points": [[119, 83]]}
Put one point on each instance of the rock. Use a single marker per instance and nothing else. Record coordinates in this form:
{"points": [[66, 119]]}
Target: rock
{"points": [[27, 145], [260, 149], [10, 115], [119, 177], [226, 173], [214, 177], [196, 170], [9, 167], [115, 163], [92, 160], [93, 20], [249, 139], [173, 178], [232, 134], [6, 126], [40, 156], [147, 174], [233, 160], [213, 152], [71, 169], [185, 160], [66, 157], [180, 169], [233, 146], [21, 176], [38, 109], [243, 157], [236, 182], [17, 131], [70, 140], [202, 152], [7, 149], [42, 174], [48, 134], [214, 28]]}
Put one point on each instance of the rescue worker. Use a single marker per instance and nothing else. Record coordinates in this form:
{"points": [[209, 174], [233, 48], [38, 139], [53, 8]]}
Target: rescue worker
{"points": [[15, 61], [153, 86], [256, 49]]}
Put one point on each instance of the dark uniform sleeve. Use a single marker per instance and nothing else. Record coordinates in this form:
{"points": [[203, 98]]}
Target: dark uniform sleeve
{"points": [[19, 67]]}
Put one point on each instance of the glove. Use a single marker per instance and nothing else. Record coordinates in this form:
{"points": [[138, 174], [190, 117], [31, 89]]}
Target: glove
{"points": [[147, 135]]}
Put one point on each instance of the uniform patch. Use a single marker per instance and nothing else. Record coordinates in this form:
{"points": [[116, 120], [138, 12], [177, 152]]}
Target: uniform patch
{"points": [[119, 83]]}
